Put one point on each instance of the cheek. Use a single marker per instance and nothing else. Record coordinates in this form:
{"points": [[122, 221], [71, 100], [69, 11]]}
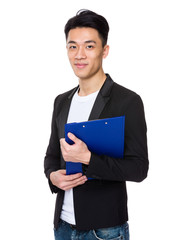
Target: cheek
{"points": [[97, 60], [71, 60], [71, 56]]}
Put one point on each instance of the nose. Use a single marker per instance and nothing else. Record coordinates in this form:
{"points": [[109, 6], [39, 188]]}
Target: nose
{"points": [[80, 53]]}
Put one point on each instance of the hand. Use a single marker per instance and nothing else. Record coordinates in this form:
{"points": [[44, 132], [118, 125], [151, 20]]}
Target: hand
{"points": [[78, 152], [66, 182]]}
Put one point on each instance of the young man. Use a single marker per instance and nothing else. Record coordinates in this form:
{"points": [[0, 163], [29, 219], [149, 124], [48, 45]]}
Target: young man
{"points": [[97, 208]]}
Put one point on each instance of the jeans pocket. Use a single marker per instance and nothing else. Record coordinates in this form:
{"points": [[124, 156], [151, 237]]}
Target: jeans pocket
{"points": [[107, 234]]}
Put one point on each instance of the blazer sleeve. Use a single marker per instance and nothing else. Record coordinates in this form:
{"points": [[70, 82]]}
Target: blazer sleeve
{"points": [[52, 157], [134, 165]]}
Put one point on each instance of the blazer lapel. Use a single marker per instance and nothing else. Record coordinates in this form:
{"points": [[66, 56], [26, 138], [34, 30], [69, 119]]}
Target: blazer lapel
{"points": [[102, 99]]}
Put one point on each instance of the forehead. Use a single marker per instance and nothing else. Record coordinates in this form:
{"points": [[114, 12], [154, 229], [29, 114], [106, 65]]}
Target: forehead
{"points": [[82, 35]]}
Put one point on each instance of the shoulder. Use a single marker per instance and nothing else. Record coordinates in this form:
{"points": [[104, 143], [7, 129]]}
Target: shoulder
{"points": [[122, 91], [123, 99], [114, 89], [123, 94], [61, 99], [64, 96]]}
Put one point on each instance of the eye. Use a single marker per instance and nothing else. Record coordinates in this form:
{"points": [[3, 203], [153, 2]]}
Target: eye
{"points": [[72, 47], [89, 46]]}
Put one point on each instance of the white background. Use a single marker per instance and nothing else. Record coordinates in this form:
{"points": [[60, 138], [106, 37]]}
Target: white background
{"points": [[34, 69]]}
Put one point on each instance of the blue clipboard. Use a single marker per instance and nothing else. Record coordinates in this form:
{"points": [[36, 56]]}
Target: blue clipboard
{"points": [[102, 136]]}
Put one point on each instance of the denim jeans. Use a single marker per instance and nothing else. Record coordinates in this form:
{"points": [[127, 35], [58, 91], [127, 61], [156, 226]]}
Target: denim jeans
{"points": [[66, 232]]}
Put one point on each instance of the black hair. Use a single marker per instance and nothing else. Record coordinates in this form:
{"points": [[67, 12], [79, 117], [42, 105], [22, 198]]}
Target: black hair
{"points": [[87, 18]]}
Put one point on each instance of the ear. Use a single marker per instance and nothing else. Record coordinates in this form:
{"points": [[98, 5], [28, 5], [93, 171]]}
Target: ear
{"points": [[105, 51]]}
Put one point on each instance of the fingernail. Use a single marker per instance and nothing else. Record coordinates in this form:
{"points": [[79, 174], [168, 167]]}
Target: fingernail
{"points": [[85, 178]]}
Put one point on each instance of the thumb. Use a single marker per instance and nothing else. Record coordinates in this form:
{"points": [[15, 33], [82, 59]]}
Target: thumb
{"points": [[73, 137]]}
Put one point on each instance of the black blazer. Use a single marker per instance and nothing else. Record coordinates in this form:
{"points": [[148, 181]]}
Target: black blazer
{"points": [[102, 202]]}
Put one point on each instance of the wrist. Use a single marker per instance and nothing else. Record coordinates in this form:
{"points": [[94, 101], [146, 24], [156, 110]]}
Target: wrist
{"points": [[87, 158]]}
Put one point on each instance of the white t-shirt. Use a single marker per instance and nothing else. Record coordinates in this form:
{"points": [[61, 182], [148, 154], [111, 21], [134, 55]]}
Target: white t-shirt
{"points": [[80, 110]]}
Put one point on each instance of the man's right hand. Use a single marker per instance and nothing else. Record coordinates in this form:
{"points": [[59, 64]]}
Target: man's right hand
{"points": [[66, 182]]}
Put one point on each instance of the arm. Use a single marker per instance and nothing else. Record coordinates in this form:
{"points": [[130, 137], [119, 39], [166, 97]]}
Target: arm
{"points": [[52, 157], [57, 177], [134, 165]]}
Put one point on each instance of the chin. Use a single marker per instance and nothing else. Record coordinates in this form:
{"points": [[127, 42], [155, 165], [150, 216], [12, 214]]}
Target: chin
{"points": [[81, 76]]}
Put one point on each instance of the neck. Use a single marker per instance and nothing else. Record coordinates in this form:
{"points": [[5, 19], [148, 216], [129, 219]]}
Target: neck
{"points": [[91, 85]]}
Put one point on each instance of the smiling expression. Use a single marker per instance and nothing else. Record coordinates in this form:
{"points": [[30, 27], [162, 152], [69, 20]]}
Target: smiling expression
{"points": [[85, 52]]}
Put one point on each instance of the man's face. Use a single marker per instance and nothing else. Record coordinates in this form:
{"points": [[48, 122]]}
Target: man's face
{"points": [[85, 52]]}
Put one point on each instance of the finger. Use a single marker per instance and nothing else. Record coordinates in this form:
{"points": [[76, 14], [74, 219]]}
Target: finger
{"points": [[72, 177], [63, 142], [64, 145], [73, 137], [75, 183], [62, 139], [68, 181]]}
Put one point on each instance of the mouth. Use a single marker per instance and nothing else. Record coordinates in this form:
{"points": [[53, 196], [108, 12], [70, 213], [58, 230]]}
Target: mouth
{"points": [[80, 65]]}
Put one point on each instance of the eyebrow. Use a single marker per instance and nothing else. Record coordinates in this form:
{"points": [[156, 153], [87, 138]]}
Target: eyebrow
{"points": [[88, 41]]}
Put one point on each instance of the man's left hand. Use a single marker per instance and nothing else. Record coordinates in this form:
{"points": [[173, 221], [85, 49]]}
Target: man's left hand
{"points": [[78, 152]]}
